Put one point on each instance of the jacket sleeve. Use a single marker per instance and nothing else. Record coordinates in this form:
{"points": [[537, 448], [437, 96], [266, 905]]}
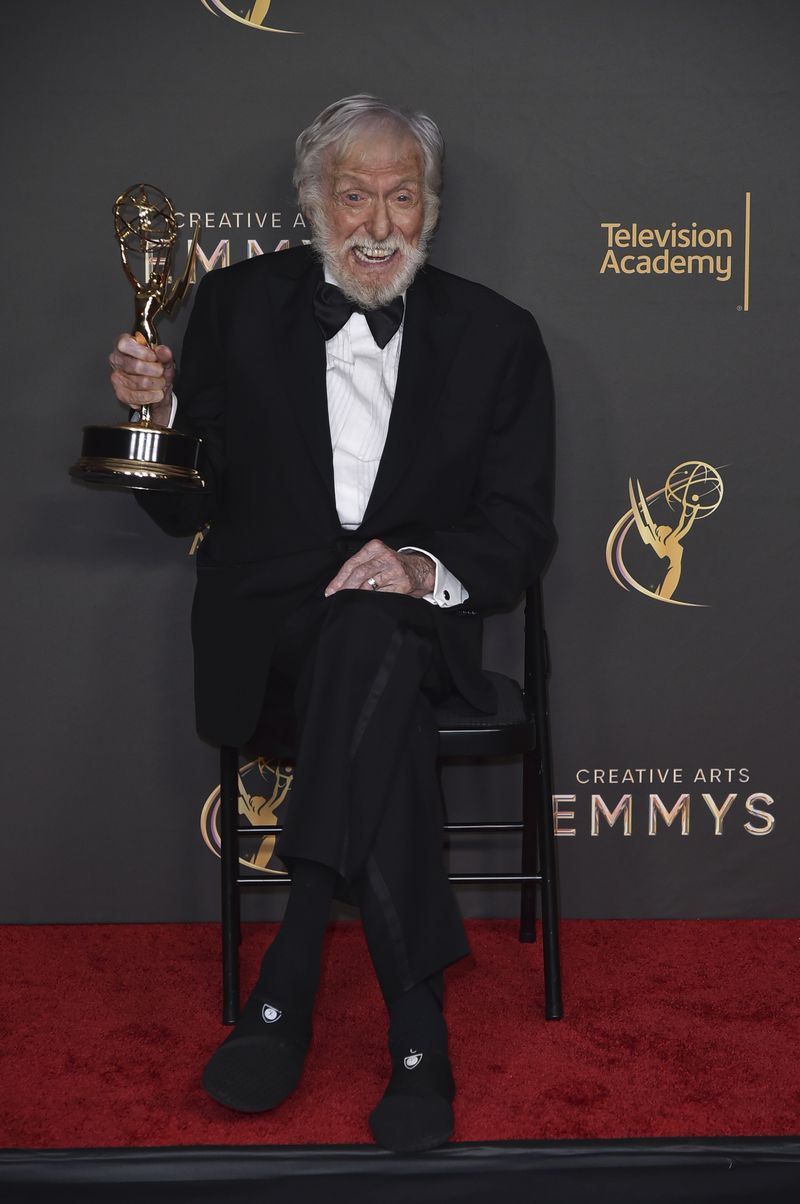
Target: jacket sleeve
{"points": [[201, 390], [505, 538]]}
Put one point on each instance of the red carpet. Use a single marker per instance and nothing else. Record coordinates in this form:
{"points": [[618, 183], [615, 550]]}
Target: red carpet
{"points": [[673, 1028]]}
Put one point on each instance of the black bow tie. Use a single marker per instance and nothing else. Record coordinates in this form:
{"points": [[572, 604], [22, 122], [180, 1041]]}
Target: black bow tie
{"points": [[332, 309]]}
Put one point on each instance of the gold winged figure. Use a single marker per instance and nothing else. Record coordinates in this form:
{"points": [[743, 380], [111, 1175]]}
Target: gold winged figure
{"points": [[260, 811], [666, 541]]}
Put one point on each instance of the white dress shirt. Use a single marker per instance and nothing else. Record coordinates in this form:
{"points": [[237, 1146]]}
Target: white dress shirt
{"points": [[360, 382]]}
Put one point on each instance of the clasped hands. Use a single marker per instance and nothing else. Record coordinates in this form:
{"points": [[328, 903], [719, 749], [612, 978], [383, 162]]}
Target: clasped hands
{"points": [[378, 567]]}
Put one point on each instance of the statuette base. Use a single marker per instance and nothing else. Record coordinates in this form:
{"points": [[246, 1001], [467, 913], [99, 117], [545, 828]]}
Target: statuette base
{"points": [[138, 456]]}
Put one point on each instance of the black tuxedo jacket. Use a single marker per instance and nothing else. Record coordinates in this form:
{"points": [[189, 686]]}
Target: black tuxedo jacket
{"points": [[466, 471]]}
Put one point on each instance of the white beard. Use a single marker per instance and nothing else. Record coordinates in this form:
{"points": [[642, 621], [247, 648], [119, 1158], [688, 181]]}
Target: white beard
{"points": [[338, 261]]}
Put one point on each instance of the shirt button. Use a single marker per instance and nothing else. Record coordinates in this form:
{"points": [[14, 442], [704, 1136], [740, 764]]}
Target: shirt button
{"points": [[446, 595]]}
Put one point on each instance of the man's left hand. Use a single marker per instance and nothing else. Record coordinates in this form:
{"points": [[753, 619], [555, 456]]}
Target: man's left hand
{"points": [[378, 567]]}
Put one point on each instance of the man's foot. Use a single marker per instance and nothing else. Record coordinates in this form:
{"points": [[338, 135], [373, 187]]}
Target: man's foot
{"points": [[260, 1063], [416, 1112]]}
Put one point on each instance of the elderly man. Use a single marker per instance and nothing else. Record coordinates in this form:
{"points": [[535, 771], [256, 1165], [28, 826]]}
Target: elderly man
{"points": [[377, 448]]}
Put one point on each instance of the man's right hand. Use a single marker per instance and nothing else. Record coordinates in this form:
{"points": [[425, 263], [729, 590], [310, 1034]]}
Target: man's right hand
{"points": [[143, 376]]}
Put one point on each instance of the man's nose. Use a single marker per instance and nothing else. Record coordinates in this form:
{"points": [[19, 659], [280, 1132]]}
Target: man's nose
{"points": [[380, 222]]}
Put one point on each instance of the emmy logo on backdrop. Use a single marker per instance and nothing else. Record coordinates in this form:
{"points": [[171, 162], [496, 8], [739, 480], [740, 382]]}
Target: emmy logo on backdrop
{"points": [[252, 13], [692, 491], [259, 810], [139, 454]]}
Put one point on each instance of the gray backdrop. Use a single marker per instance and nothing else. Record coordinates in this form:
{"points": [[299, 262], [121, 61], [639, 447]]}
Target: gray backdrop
{"points": [[559, 117]]}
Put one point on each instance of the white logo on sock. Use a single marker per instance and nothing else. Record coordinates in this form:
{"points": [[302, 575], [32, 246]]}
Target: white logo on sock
{"points": [[269, 1014], [412, 1061]]}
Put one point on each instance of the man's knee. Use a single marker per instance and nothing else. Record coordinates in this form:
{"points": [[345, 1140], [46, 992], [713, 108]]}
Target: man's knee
{"points": [[359, 610], [358, 625], [355, 623], [364, 605]]}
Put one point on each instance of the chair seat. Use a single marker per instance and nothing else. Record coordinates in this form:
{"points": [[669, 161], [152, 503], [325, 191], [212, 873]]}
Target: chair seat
{"points": [[465, 732]]}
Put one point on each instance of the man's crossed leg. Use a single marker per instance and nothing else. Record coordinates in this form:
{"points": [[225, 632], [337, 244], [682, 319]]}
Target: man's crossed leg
{"points": [[361, 670]]}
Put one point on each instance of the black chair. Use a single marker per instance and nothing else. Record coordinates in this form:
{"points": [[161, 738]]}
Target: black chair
{"points": [[520, 726]]}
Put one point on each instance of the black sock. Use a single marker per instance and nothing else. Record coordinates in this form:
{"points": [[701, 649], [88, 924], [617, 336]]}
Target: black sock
{"points": [[416, 1021], [289, 974], [416, 1111]]}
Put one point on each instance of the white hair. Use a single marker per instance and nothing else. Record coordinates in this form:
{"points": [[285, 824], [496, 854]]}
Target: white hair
{"points": [[339, 125]]}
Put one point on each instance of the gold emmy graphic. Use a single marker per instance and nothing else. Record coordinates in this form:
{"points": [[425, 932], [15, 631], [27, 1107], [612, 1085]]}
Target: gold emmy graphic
{"points": [[252, 13], [273, 778], [139, 454], [692, 491]]}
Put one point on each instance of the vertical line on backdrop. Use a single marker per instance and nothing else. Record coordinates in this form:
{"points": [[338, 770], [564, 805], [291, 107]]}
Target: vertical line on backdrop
{"points": [[746, 297]]}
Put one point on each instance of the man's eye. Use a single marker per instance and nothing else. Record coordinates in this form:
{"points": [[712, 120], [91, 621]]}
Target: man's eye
{"points": [[353, 196]]}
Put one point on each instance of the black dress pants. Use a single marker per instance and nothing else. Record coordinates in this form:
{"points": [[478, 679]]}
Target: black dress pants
{"points": [[362, 671]]}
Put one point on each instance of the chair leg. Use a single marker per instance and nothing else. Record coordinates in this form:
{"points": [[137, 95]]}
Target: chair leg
{"points": [[229, 799], [553, 1008], [530, 858], [537, 671], [237, 894]]}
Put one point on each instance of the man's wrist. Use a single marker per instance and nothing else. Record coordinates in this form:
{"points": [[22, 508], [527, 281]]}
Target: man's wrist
{"points": [[446, 589], [421, 571]]}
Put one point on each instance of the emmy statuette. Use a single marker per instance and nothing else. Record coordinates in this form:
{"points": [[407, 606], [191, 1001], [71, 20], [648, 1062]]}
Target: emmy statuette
{"points": [[139, 454]]}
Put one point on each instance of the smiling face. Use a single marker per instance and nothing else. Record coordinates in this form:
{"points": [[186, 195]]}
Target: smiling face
{"points": [[370, 228]]}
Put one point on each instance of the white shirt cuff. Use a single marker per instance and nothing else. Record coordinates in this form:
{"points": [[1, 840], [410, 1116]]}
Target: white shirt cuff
{"points": [[447, 589], [173, 411]]}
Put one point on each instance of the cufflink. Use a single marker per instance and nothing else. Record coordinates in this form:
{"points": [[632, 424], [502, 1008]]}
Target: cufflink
{"points": [[446, 595]]}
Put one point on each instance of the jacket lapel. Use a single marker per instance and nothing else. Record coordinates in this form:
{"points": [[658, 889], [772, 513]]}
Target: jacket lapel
{"points": [[431, 332], [300, 352]]}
